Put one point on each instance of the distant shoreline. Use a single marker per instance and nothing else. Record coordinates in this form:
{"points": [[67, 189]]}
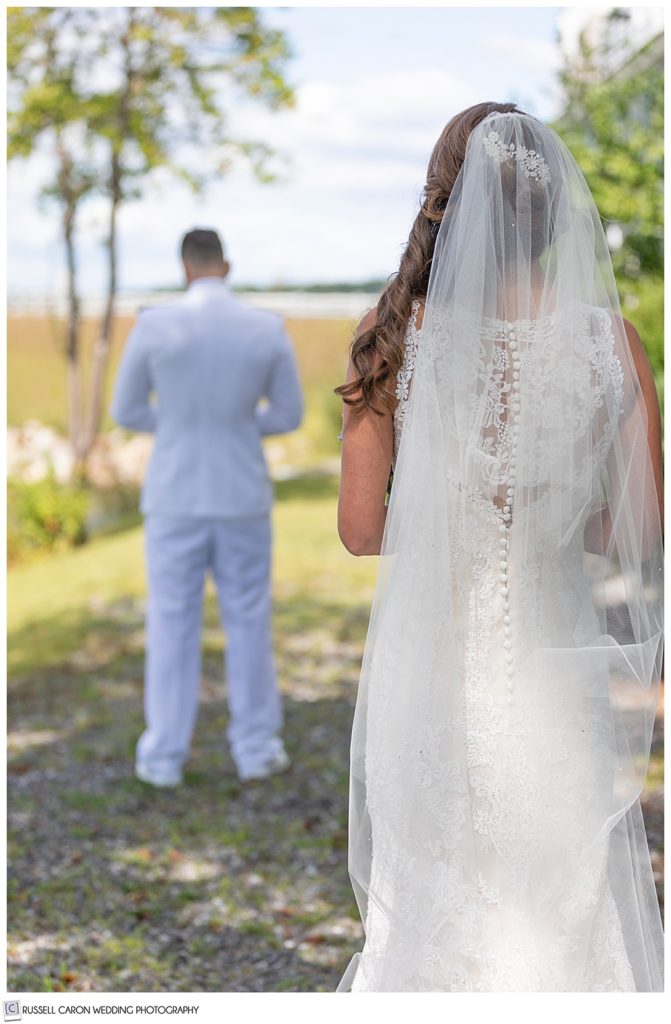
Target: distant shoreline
{"points": [[290, 302]]}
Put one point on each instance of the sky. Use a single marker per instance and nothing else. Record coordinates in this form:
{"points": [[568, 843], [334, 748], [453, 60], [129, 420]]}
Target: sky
{"points": [[374, 88]]}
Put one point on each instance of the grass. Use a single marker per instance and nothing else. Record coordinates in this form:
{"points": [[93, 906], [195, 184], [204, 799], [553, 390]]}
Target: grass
{"points": [[114, 886]]}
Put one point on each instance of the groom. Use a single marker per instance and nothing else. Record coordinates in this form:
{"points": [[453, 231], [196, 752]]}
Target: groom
{"points": [[223, 375]]}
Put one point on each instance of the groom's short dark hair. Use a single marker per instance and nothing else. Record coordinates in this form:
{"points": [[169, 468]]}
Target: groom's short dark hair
{"points": [[202, 246]]}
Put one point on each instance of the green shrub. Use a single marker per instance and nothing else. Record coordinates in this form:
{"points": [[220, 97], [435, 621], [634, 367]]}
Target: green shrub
{"points": [[113, 509], [45, 516]]}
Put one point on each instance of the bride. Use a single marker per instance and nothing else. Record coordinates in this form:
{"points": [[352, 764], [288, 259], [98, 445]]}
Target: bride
{"points": [[510, 677]]}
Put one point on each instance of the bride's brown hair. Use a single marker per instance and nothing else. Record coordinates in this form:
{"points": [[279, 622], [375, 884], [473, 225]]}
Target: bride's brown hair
{"points": [[377, 351]]}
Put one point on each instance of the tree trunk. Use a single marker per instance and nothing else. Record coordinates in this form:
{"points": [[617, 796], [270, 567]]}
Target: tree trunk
{"points": [[72, 343], [103, 341], [72, 346], [101, 350]]}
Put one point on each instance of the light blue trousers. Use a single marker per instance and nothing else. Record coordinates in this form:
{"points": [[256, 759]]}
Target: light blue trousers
{"points": [[179, 553]]}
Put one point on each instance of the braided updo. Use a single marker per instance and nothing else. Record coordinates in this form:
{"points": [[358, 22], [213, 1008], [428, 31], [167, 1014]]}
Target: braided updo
{"points": [[377, 351]]}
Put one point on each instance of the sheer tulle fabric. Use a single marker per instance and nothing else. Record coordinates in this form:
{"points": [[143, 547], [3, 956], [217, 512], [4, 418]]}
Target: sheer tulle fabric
{"points": [[510, 677]]}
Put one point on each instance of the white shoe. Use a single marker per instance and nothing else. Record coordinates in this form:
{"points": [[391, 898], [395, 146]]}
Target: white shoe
{"points": [[161, 777], [278, 762]]}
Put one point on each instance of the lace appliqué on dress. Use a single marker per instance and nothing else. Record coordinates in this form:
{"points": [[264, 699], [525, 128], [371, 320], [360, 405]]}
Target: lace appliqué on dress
{"points": [[404, 375], [593, 343]]}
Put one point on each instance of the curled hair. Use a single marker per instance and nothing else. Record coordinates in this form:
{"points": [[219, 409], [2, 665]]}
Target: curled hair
{"points": [[376, 351]]}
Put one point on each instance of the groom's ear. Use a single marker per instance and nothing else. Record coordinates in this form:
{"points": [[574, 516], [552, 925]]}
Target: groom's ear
{"points": [[227, 268]]}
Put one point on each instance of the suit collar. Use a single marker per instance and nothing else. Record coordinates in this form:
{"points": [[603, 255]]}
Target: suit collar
{"points": [[213, 283]]}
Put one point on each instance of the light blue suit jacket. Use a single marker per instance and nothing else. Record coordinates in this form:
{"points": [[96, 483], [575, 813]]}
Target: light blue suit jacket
{"points": [[208, 360]]}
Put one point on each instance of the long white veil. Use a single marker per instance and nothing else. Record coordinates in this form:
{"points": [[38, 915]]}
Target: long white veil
{"points": [[504, 717]]}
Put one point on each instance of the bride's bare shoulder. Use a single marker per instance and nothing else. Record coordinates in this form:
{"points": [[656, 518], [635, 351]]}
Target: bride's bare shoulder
{"points": [[638, 353], [370, 318], [367, 321], [633, 337], [419, 316]]}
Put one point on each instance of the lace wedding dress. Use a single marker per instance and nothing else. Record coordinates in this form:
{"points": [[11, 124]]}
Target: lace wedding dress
{"points": [[500, 831], [504, 716]]}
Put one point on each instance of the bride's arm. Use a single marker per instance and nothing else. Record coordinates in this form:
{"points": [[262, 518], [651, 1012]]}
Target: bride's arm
{"points": [[367, 441], [651, 401], [598, 534], [652, 499]]}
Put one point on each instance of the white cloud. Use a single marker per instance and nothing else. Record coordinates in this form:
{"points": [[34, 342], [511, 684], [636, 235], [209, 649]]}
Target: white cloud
{"points": [[394, 115], [416, 99], [526, 51]]}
